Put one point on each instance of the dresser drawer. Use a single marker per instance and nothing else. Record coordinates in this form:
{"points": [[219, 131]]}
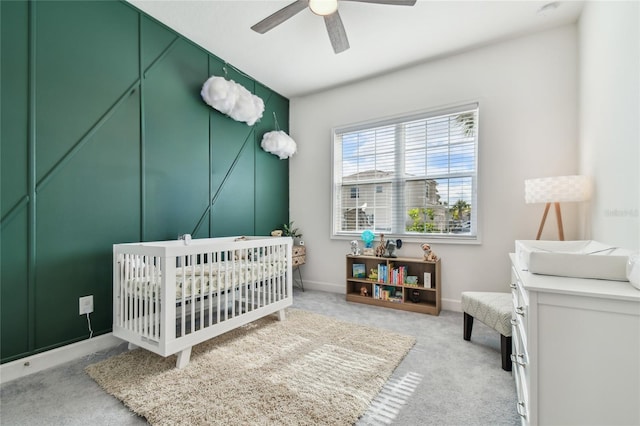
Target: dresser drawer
{"points": [[298, 255], [520, 354], [298, 251], [522, 392], [520, 316]]}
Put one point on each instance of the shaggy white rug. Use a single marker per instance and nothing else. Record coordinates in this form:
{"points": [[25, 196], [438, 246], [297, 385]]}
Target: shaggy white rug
{"points": [[309, 369]]}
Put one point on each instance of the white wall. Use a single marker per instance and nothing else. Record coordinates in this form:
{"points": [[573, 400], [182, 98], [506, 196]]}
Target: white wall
{"points": [[527, 89], [610, 118]]}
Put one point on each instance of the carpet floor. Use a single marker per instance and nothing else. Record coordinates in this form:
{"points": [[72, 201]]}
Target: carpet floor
{"points": [[443, 380]]}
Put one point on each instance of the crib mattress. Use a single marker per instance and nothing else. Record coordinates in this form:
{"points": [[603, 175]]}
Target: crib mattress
{"points": [[208, 278]]}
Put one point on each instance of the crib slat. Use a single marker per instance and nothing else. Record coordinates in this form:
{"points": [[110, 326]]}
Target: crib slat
{"points": [[210, 293], [134, 298], [153, 298], [123, 291], [194, 293], [182, 296], [202, 295], [218, 286], [225, 286]]}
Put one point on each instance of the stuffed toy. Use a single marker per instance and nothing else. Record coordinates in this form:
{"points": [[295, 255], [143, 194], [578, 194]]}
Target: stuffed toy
{"points": [[355, 248], [381, 249], [429, 255], [390, 249], [240, 254]]}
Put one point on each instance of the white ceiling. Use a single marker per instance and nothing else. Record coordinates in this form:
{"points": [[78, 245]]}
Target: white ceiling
{"points": [[296, 57]]}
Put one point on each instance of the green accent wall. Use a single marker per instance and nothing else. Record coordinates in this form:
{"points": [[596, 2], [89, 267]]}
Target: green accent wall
{"points": [[105, 139]]}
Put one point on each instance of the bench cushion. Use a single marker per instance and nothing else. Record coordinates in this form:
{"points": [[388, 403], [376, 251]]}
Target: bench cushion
{"points": [[493, 309]]}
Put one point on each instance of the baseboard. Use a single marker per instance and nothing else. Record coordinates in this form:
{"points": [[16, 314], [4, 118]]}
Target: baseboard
{"points": [[35, 363], [328, 287], [451, 305]]}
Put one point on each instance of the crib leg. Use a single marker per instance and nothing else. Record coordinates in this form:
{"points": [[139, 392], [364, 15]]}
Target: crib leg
{"points": [[131, 346], [281, 315], [183, 358]]}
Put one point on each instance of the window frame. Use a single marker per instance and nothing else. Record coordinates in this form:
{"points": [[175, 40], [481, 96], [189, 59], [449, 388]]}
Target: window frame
{"points": [[474, 237]]}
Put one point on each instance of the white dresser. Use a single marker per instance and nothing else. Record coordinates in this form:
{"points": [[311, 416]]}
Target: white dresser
{"points": [[576, 350]]}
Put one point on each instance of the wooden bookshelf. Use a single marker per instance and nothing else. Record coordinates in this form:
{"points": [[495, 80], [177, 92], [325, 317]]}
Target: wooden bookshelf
{"points": [[393, 291]]}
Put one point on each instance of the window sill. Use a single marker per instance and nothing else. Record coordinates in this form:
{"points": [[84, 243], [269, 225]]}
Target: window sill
{"points": [[431, 239]]}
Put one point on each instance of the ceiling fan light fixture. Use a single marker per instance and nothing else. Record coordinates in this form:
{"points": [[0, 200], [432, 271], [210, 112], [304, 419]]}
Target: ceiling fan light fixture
{"points": [[323, 7]]}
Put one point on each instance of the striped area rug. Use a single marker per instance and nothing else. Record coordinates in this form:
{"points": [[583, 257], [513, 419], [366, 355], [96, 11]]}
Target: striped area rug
{"points": [[307, 370]]}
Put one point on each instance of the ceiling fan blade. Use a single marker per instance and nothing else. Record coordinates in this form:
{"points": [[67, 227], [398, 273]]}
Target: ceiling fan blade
{"points": [[280, 16], [337, 34], [390, 2]]}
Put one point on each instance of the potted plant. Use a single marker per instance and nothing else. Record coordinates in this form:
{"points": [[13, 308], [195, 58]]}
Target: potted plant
{"points": [[288, 230]]}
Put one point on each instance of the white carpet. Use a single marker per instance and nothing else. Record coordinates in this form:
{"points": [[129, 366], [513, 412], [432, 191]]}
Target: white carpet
{"points": [[309, 369]]}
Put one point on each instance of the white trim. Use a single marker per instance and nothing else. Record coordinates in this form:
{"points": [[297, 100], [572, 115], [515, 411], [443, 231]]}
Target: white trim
{"points": [[451, 305], [412, 116], [35, 363], [323, 286]]}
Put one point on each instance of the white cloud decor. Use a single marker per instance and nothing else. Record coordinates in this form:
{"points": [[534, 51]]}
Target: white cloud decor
{"points": [[232, 99], [278, 143]]}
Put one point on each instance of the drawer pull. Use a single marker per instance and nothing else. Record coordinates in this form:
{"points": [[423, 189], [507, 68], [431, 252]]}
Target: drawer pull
{"points": [[520, 310], [523, 412], [518, 359], [513, 285]]}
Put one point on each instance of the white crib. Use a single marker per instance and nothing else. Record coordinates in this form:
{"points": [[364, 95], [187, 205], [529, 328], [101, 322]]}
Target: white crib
{"points": [[171, 295]]}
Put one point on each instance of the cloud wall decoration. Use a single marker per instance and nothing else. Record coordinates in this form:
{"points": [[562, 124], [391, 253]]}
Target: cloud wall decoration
{"points": [[278, 143], [232, 99]]}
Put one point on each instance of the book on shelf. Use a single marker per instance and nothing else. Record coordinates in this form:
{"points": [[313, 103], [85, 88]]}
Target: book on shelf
{"points": [[382, 273], [389, 293], [427, 279], [359, 270], [389, 274]]}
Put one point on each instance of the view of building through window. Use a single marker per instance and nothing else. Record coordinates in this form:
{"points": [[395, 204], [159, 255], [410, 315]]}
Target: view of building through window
{"points": [[416, 175]]}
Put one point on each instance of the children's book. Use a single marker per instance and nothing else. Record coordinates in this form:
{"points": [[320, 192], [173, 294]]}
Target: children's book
{"points": [[359, 270]]}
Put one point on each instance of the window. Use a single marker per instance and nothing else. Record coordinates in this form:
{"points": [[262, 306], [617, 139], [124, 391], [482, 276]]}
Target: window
{"points": [[412, 176]]}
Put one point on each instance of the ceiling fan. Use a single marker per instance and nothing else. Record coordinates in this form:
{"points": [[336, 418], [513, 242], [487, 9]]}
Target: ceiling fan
{"points": [[328, 9]]}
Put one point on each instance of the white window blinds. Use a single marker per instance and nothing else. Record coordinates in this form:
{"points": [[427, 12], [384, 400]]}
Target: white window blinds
{"points": [[412, 175]]}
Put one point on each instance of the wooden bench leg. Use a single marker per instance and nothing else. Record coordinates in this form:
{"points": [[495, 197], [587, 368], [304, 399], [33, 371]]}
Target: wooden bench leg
{"points": [[505, 348], [468, 326]]}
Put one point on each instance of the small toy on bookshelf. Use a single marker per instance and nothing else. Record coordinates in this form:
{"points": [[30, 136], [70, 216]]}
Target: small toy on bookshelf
{"points": [[373, 274]]}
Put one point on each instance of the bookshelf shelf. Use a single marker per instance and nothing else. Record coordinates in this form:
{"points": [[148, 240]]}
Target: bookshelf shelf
{"points": [[388, 287]]}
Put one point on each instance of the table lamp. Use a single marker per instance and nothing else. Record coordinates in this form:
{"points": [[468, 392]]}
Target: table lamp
{"points": [[556, 190]]}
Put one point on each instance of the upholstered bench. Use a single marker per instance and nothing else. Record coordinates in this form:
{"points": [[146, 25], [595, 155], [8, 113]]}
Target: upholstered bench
{"points": [[494, 310]]}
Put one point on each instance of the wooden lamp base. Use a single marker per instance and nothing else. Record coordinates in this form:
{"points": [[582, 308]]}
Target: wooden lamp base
{"points": [[558, 219]]}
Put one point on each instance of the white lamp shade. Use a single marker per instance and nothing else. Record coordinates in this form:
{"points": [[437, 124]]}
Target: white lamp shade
{"points": [[557, 189]]}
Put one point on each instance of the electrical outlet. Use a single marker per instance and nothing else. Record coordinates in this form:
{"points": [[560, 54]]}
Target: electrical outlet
{"points": [[86, 305]]}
